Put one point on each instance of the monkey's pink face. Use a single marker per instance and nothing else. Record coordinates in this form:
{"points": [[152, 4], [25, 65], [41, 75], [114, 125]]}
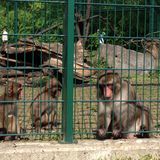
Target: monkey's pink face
{"points": [[107, 84], [107, 91]]}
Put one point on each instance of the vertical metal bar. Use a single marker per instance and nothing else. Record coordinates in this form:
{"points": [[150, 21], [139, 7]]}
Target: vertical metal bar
{"points": [[151, 22], [158, 20], [68, 73], [15, 21], [152, 35]]}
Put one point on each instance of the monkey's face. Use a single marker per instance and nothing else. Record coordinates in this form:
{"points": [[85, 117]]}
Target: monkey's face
{"points": [[106, 90], [54, 87], [56, 92], [108, 84]]}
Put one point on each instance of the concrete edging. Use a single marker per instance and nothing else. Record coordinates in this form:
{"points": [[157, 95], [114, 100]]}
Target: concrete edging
{"points": [[83, 150]]}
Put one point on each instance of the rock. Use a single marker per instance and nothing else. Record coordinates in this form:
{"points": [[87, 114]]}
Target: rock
{"points": [[119, 57]]}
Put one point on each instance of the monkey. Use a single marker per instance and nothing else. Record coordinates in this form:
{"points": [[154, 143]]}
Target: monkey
{"points": [[118, 111], [43, 107], [8, 110]]}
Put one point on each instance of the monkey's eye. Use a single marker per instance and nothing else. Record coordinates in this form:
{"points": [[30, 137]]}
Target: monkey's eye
{"points": [[101, 85], [110, 86]]}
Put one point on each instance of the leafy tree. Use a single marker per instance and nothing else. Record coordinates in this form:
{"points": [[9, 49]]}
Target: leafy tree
{"points": [[120, 20], [27, 19]]}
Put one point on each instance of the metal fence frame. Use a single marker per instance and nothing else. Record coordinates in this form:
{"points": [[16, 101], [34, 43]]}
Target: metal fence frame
{"points": [[68, 58]]}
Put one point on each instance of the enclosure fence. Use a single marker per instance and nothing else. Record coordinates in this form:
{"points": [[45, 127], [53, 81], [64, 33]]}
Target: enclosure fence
{"points": [[56, 50]]}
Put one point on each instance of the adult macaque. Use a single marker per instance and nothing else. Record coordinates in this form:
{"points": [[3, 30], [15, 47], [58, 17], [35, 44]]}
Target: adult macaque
{"points": [[118, 112], [43, 109], [8, 110]]}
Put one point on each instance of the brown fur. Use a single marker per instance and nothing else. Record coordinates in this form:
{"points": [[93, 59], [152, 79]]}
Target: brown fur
{"points": [[120, 110], [8, 110], [43, 109]]}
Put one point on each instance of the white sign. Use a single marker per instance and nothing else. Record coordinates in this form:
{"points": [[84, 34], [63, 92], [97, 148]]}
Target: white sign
{"points": [[5, 36]]}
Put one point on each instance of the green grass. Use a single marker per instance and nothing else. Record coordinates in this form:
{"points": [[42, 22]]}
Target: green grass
{"points": [[145, 157]]}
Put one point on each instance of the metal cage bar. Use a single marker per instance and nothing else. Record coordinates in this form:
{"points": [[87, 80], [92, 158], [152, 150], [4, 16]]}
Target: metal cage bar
{"points": [[34, 27], [68, 73]]}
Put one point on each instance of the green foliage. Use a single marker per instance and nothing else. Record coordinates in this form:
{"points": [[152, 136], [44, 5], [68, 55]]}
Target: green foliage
{"points": [[40, 82], [146, 157], [95, 61], [154, 74], [2, 17], [93, 42], [29, 18], [101, 63]]}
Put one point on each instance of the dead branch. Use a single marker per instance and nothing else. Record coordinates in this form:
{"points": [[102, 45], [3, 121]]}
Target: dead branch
{"points": [[45, 30], [15, 61]]}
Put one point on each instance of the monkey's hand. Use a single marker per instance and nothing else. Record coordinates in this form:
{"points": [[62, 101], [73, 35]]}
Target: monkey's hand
{"points": [[101, 133], [117, 134]]}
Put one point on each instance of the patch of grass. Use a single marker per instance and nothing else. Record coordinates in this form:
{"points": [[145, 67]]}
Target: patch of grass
{"points": [[146, 157]]}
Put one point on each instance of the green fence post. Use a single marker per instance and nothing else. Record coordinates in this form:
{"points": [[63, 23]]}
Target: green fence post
{"points": [[15, 21], [151, 22], [68, 73]]}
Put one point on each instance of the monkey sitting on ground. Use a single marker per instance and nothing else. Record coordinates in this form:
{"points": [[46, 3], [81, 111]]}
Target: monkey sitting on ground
{"points": [[43, 108], [118, 111], [8, 110]]}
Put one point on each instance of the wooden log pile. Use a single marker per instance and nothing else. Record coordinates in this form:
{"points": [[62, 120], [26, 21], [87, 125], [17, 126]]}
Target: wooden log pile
{"points": [[28, 57]]}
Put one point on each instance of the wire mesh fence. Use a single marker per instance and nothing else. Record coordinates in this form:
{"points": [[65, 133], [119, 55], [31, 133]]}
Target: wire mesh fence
{"points": [[57, 50]]}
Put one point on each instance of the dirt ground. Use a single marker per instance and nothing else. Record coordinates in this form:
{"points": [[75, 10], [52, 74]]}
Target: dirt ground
{"points": [[85, 108]]}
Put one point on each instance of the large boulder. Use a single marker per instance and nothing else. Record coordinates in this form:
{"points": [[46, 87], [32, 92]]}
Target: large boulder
{"points": [[119, 57]]}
